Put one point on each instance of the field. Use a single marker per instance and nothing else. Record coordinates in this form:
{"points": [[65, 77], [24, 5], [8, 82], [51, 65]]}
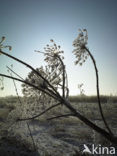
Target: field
{"points": [[64, 136]]}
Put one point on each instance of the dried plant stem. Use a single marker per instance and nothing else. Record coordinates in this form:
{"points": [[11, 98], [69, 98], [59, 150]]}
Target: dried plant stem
{"points": [[98, 93], [53, 106], [30, 84], [21, 104], [34, 145], [35, 71], [22, 78], [61, 116], [16, 90], [67, 89], [63, 66], [104, 133], [14, 73]]}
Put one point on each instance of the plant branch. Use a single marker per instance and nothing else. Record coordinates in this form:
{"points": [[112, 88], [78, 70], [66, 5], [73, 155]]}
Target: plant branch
{"points": [[27, 65], [63, 66], [60, 116], [30, 84], [89, 123], [98, 93], [24, 80], [14, 72], [16, 89], [40, 113], [31, 136]]}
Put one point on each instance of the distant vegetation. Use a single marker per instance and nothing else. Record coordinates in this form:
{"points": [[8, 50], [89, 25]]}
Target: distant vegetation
{"points": [[91, 99], [11, 101], [8, 101]]}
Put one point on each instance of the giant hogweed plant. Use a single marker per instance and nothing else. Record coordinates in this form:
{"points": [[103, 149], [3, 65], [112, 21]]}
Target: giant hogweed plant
{"points": [[50, 84]]}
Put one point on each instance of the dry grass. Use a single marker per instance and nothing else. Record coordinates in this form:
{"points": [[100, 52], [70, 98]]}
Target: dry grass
{"points": [[71, 129]]}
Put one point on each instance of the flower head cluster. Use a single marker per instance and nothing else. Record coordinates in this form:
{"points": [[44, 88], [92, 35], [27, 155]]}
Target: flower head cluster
{"points": [[2, 46], [51, 53], [35, 80], [79, 43], [35, 100], [54, 67]]}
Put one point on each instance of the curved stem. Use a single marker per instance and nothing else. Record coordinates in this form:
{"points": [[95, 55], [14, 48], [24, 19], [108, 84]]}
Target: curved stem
{"points": [[35, 71], [38, 115], [24, 80], [97, 87], [30, 84], [63, 66], [61, 116], [98, 129], [14, 73]]}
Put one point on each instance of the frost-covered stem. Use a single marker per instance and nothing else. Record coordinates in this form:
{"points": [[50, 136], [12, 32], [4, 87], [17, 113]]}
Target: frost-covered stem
{"points": [[63, 66], [61, 116], [30, 67], [67, 89], [30, 84], [40, 113], [14, 72], [23, 79], [97, 87], [34, 145], [104, 133], [21, 104], [16, 90]]}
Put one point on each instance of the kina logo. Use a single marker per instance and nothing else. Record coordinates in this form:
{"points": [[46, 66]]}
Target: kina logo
{"points": [[99, 150]]}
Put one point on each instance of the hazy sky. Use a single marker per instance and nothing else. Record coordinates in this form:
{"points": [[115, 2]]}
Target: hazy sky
{"points": [[29, 25]]}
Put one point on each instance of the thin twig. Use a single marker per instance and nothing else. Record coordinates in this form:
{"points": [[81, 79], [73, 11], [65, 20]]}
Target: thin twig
{"points": [[14, 72], [24, 80], [61, 116], [36, 72], [31, 118], [30, 84], [34, 145], [16, 90]]}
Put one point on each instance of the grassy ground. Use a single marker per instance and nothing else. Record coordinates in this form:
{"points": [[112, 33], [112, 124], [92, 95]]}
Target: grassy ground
{"points": [[70, 129]]}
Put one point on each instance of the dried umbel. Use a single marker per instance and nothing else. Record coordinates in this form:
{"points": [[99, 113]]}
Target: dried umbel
{"points": [[54, 60], [35, 100], [52, 72], [3, 46], [79, 43], [52, 52], [32, 78]]}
